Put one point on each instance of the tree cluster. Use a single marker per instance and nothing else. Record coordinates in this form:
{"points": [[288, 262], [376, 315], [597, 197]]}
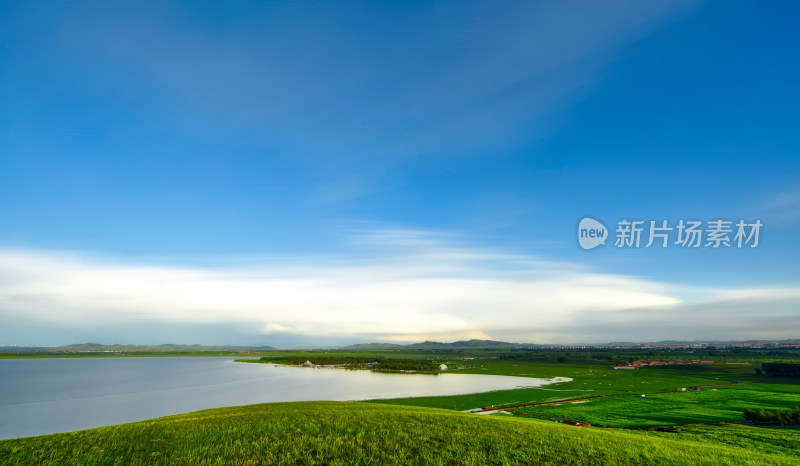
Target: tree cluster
{"points": [[781, 417], [781, 369]]}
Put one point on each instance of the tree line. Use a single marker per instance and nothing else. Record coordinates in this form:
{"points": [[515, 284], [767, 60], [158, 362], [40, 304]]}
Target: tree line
{"points": [[376, 363], [781, 417], [780, 369]]}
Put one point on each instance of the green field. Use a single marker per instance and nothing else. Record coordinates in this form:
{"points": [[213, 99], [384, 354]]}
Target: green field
{"points": [[352, 432], [709, 405], [588, 380]]}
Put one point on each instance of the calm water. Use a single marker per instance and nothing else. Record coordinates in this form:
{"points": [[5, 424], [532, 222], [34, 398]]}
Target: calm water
{"points": [[42, 396]]}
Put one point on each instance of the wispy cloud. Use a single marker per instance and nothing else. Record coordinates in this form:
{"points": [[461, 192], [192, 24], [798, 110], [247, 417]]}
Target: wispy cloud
{"points": [[339, 85], [782, 208], [398, 285]]}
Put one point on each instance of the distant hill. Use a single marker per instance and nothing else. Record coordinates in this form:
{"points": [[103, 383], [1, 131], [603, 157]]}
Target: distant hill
{"points": [[493, 344], [471, 344], [436, 345], [372, 347], [99, 348]]}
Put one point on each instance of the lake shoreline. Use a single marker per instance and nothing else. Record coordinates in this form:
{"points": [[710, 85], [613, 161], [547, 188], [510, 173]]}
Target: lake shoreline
{"points": [[43, 396]]}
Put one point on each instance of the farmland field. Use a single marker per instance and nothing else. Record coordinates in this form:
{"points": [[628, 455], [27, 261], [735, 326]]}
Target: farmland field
{"points": [[709, 405], [588, 380]]}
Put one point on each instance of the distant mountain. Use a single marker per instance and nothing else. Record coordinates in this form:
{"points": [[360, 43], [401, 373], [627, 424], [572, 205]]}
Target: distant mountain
{"points": [[99, 348], [372, 347], [436, 345], [470, 344], [493, 344]]}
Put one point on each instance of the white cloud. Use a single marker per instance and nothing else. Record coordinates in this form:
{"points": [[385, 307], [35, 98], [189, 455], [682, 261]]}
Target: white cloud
{"points": [[410, 285]]}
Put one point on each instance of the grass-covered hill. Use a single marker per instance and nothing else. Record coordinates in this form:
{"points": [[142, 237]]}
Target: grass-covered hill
{"points": [[353, 432]]}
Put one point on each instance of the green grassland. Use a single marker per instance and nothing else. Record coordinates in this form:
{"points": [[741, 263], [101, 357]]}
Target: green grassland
{"points": [[709, 405], [664, 404], [588, 380], [744, 372], [728, 390], [353, 432], [782, 441]]}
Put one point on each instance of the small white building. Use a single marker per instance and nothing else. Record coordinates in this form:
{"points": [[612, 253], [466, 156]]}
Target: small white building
{"points": [[442, 367]]}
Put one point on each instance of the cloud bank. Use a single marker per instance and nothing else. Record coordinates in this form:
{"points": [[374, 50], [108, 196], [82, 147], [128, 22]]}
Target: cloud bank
{"points": [[397, 285]]}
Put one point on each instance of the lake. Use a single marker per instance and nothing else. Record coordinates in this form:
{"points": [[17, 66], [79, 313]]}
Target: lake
{"points": [[43, 396]]}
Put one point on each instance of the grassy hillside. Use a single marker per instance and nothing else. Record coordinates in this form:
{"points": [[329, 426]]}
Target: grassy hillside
{"points": [[346, 432]]}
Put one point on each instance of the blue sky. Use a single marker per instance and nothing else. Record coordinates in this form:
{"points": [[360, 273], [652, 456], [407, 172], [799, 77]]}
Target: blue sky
{"points": [[447, 148]]}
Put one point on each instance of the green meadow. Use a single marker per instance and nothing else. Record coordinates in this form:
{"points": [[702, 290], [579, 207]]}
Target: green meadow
{"points": [[705, 406], [353, 432], [588, 380]]}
